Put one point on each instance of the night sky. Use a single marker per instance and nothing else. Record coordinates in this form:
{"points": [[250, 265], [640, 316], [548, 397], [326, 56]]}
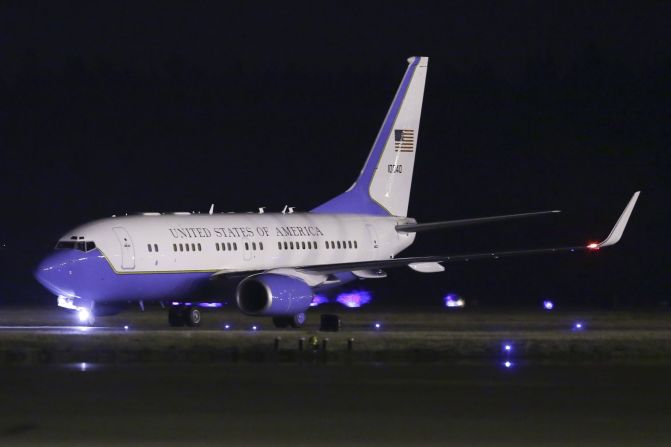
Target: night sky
{"points": [[118, 107]]}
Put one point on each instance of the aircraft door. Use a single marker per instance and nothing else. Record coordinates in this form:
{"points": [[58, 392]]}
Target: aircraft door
{"points": [[127, 251]]}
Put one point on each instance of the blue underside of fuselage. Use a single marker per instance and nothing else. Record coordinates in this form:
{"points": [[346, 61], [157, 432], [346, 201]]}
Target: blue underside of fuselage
{"points": [[76, 274], [89, 276]]}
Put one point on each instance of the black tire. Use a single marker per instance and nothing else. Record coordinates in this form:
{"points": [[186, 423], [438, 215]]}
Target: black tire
{"points": [[281, 322], [298, 320], [175, 316], [191, 316]]}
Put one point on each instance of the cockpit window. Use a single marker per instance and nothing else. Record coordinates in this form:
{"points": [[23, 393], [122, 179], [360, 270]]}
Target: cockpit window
{"points": [[79, 245]]}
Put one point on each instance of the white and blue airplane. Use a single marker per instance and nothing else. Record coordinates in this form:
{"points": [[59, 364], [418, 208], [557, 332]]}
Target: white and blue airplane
{"points": [[272, 262]]}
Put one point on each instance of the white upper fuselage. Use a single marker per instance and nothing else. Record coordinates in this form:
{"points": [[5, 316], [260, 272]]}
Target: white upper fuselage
{"points": [[240, 242]]}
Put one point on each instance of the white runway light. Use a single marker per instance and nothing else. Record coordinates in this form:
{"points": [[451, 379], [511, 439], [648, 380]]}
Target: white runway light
{"points": [[83, 315]]}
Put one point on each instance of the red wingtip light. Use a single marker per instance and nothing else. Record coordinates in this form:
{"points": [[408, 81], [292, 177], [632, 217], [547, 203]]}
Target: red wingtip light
{"points": [[593, 246]]}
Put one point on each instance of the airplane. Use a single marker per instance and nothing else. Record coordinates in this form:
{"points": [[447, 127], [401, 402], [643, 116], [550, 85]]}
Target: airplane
{"points": [[273, 263]]}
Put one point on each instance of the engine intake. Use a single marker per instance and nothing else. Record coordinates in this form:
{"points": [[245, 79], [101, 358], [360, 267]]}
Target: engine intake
{"points": [[274, 295]]}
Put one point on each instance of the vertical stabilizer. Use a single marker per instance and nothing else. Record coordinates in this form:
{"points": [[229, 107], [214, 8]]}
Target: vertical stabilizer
{"points": [[383, 187]]}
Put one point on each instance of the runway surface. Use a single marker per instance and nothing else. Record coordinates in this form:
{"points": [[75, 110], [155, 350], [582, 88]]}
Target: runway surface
{"points": [[426, 377], [314, 405], [48, 335]]}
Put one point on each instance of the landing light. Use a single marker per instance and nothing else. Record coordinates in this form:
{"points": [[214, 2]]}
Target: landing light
{"points": [[227, 326], [508, 347], [593, 246], [548, 305], [508, 364], [83, 366], [378, 325], [125, 327], [83, 314], [578, 326], [254, 327]]}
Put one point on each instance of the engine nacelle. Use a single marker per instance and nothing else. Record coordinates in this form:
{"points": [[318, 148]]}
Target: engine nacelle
{"points": [[274, 295]]}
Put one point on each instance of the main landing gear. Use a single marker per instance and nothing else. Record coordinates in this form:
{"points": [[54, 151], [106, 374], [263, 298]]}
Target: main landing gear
{"points": [[181, 315], [295, 321]]}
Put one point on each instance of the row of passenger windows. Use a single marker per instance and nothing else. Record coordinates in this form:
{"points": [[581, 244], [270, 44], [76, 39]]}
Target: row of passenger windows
{"points": [[297, 246], [227, 246], [232, 246], [185, 247], [345, 244], [310, 245]]}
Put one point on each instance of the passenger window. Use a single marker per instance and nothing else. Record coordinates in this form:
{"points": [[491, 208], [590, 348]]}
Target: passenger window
{"points": [[187, 247], [199, 247], [349, 244], [279, 245], [314, 244], [217, 245], [286, 246], [149, 247], [235, 246], [303, 245], [254, 246], [355, 245], [291, 245], [309, 245], [228, 245], [344, 244], [246, 245], [174, 247], [260, 245], [327, 244], [338, 244], [156, 247]]}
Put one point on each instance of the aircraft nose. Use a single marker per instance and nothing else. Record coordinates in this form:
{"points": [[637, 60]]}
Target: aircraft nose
{"points": [[53, 270]]}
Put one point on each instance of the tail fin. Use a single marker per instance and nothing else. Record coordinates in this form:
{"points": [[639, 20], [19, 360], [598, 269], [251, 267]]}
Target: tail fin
{"points": [[383, 187]]}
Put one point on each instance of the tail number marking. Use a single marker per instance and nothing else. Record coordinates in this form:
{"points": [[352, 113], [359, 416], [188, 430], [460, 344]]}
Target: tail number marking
{"points": [[395, 169]]}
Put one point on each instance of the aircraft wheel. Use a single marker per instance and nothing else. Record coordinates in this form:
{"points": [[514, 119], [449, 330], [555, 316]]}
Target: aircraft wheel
{"points": [[175, 317], [281, 322], [298, 320], [192, 316]]}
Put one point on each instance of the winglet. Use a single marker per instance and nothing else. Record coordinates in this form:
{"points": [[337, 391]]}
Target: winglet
{"points": [[211, 209], [616, 233]]}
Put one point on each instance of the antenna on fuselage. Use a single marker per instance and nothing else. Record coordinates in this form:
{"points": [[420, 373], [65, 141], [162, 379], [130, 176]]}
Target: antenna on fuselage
{"points": [[291, 209], [284, 210], [262, 209], [211, 209]]}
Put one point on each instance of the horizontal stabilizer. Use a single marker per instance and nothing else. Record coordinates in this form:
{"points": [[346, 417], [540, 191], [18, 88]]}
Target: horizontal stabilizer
{"points": [[417, 227]]}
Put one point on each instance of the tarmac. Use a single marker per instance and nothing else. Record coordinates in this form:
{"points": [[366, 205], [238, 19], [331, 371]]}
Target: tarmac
{"points": [[424, 377], [47, 335]]}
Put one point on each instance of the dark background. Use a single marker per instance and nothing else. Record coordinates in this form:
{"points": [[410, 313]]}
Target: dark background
{"points": [[107, 108]]}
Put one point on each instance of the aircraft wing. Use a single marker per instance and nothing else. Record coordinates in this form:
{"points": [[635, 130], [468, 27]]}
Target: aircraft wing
{"points": [[612, 239], [433, 263]]}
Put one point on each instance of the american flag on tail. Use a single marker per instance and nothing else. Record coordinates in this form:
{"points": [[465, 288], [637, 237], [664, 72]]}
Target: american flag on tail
{"points": [[404, 140]]}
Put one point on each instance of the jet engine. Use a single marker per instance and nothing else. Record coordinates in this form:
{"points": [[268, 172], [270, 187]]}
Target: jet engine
{"points": [[273, 295]]}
